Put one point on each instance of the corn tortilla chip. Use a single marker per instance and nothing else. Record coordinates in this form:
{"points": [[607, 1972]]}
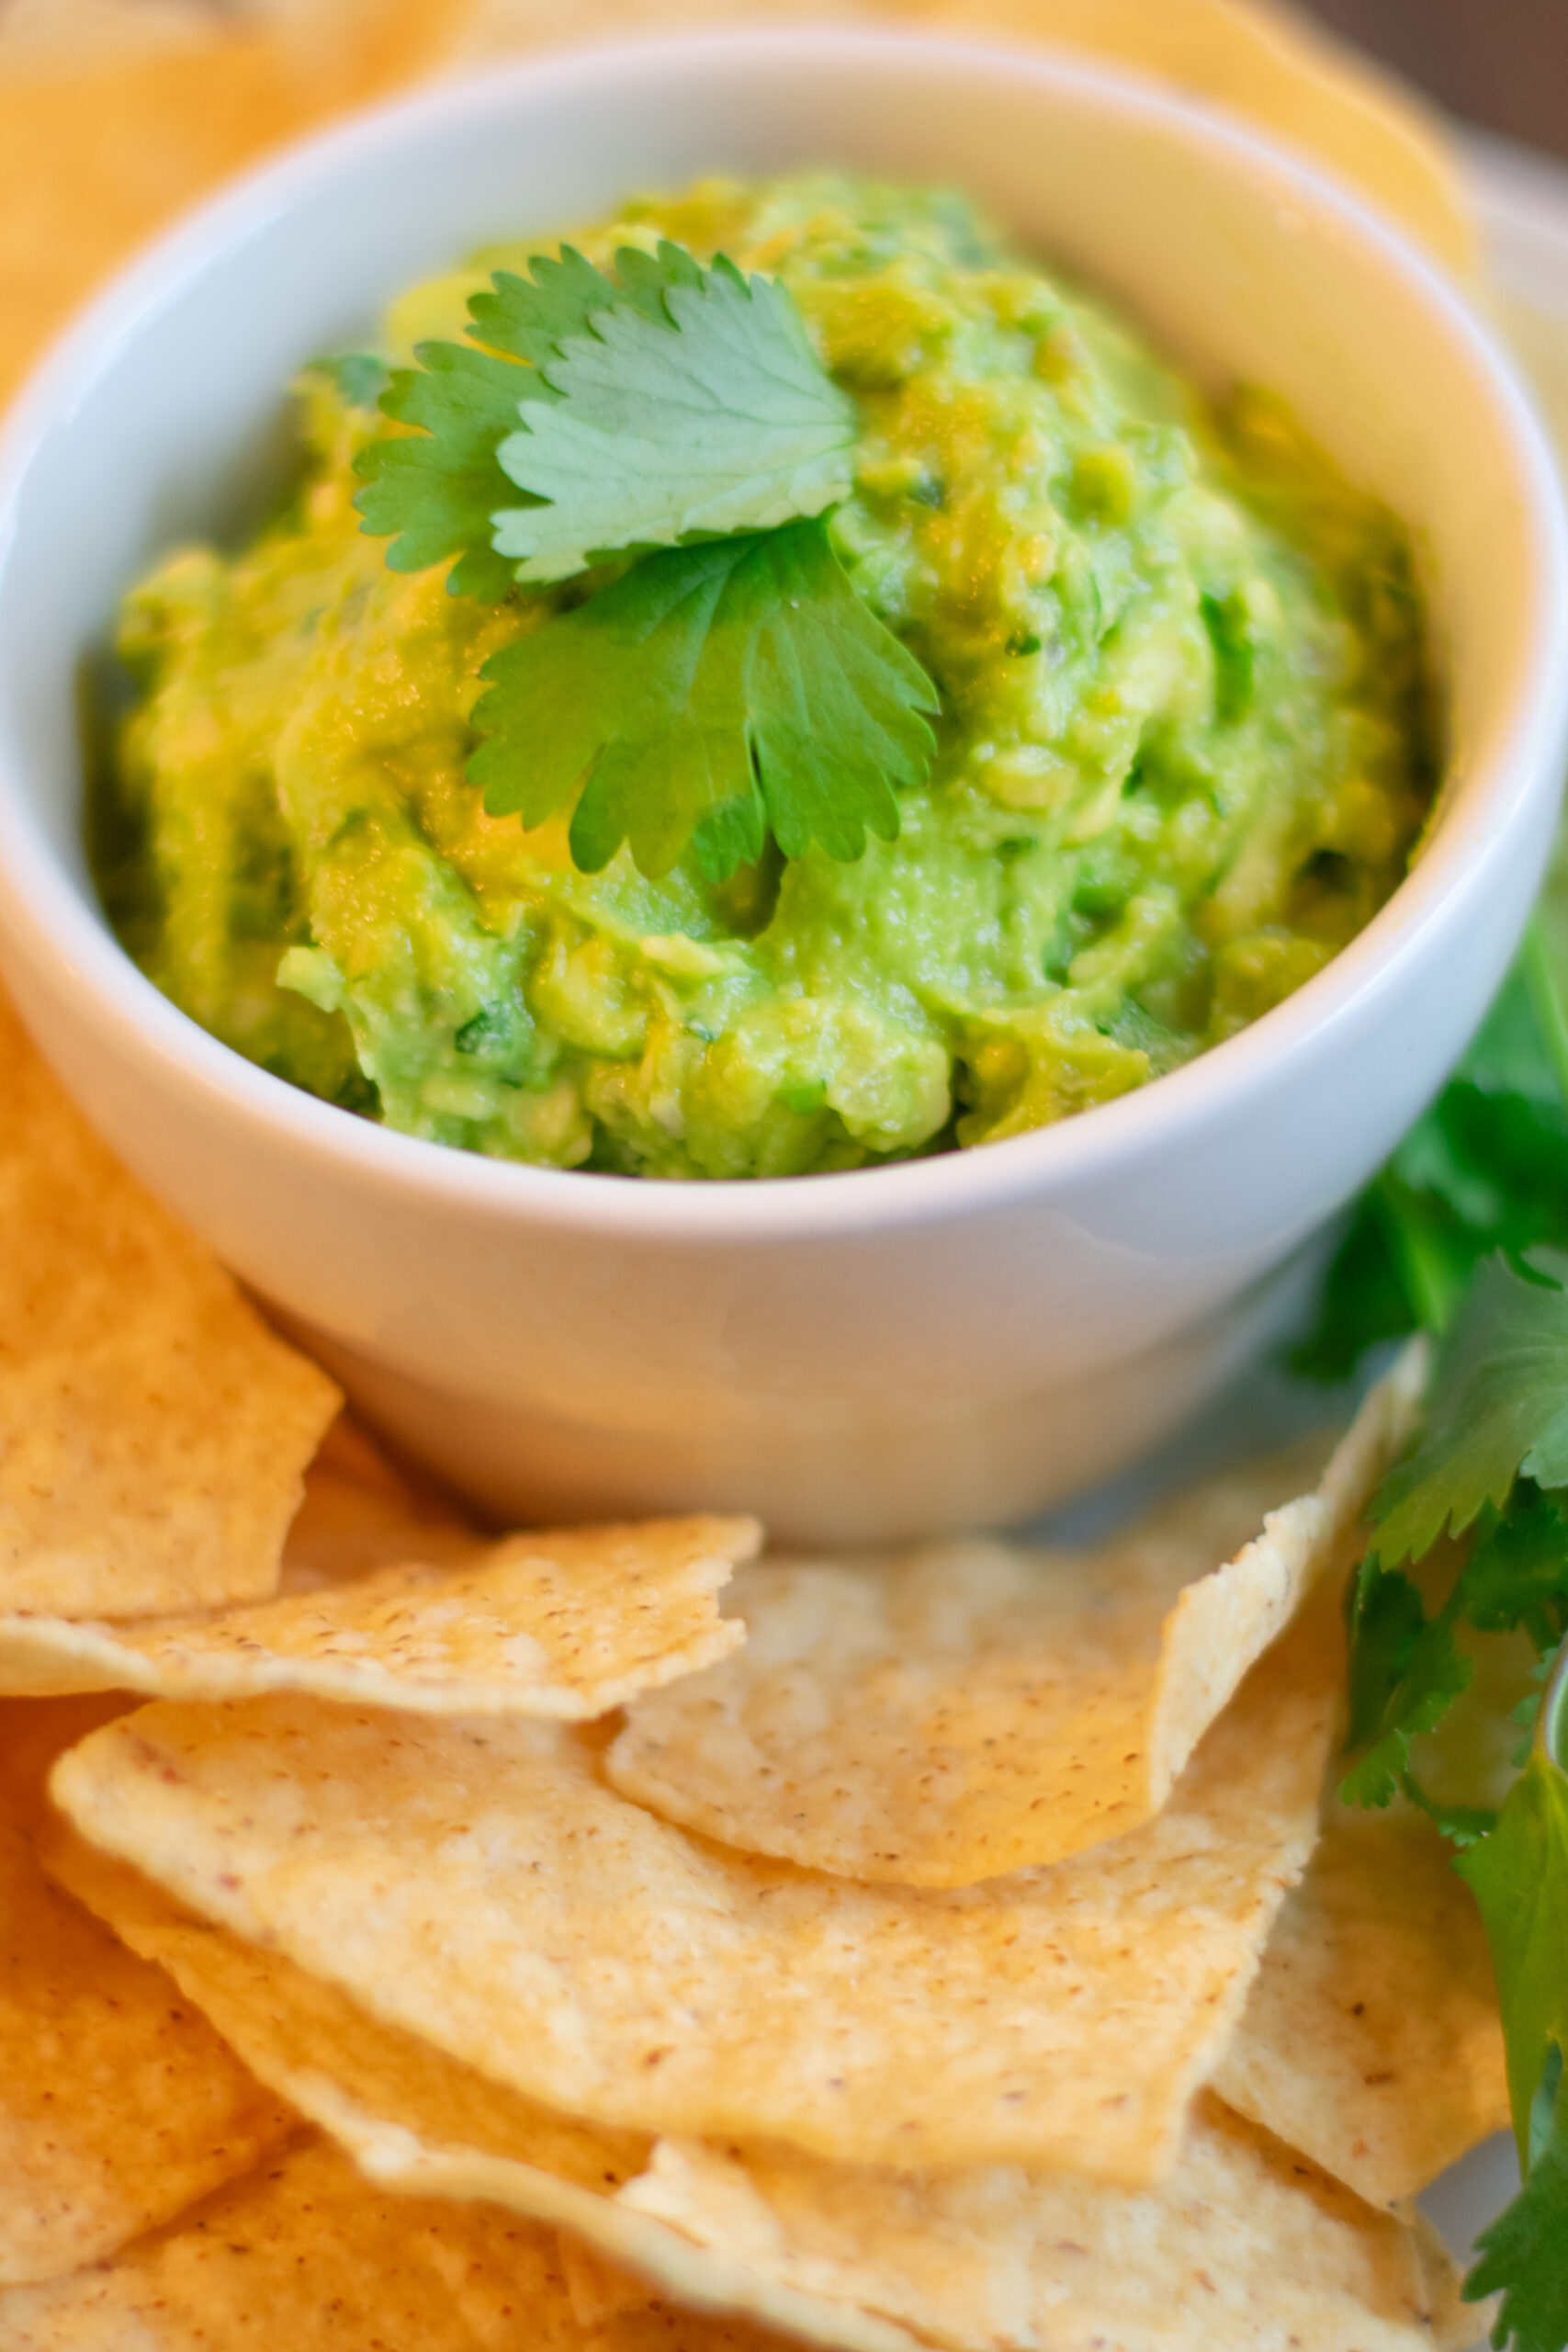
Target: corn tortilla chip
{"points": [[362, 1510], [969, 1709], [303, 2253], [566, 1624], [1246, 2246], [118, 2103], [479, 1885], [72, 31], [391, 2099], [1243, 2246], [153, 1431], [100, 151], [599, 2290], [1372, 2039], [290, 2026], [1269, 67]]}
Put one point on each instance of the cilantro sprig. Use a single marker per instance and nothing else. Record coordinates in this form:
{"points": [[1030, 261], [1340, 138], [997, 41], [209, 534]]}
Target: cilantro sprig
{"points": [[1522, 2254], [1520, 1876], [731, 682], [1493, 1464], [1462, 1235], [1482, 1172], [1499, 1408]]}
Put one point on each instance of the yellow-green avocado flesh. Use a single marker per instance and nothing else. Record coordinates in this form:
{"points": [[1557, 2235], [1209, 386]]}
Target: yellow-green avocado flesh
{"points": [[1183, 756]]}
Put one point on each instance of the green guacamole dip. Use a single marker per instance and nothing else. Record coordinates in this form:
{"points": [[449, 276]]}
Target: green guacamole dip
{"points": [[1183, 756]]}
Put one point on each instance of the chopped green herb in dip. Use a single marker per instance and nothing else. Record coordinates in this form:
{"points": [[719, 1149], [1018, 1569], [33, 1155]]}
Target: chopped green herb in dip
{"points": [[1181, 753]]}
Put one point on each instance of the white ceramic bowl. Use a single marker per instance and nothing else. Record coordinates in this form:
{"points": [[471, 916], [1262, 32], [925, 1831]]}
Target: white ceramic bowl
{"points": [[854, 1356]]}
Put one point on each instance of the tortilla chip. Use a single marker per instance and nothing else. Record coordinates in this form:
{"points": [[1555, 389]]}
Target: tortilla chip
{"points": [[118, 2103], [387, 2096], [376, 2087], [337, 37], [153, 1431], [362, 1510], [1246, 2244], [302, 2253], [102, 151], [1243, 2246], [76, 32], [1274, 68], [970, 1709], [292, 2026], [599, 2290], [478, 1884], [1371, 2040], [565, 1625]]}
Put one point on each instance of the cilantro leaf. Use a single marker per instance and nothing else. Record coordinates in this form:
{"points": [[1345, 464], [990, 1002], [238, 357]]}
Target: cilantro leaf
{"points": [[1499, 1405], [1483, 1169], [1517, 1570], [532, 317], [1494, 1161], [1362, 1302], [1521, 1047], [1464, 1823], [1405, 1672], [1433, 1247], [711, 693], [1527, 1714], [1524, 2255], [1520, 1876], [437, 487], [435, 490], [706, 413]]}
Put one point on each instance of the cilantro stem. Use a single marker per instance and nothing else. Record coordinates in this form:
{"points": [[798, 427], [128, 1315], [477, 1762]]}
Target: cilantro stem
{"points": [[1552, 1720], [1426, 1272]]}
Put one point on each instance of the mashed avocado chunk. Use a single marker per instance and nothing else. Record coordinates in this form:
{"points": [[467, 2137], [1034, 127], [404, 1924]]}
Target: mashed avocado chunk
{"points": [[1182, 757]]}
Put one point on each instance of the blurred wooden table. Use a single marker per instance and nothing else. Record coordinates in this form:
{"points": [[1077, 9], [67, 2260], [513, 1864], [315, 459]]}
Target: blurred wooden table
{"points": [[1502, 63]]}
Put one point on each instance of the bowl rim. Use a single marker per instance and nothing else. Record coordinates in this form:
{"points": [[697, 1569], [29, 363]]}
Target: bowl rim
{"points": [[69, 927]]}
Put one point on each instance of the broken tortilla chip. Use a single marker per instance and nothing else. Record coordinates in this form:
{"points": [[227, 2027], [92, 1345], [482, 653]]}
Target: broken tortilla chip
{"points": [[479, 1885], [1371, 2040], [154, 1432], [970, 1708], [363, 1510], [566, 1626], [1243, 2246], [118, 2103], [303, 2252], [360, 1512]]}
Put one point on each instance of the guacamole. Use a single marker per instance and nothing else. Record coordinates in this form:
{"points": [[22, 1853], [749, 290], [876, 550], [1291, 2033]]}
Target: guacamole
{"points": [[1182, 754]]}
